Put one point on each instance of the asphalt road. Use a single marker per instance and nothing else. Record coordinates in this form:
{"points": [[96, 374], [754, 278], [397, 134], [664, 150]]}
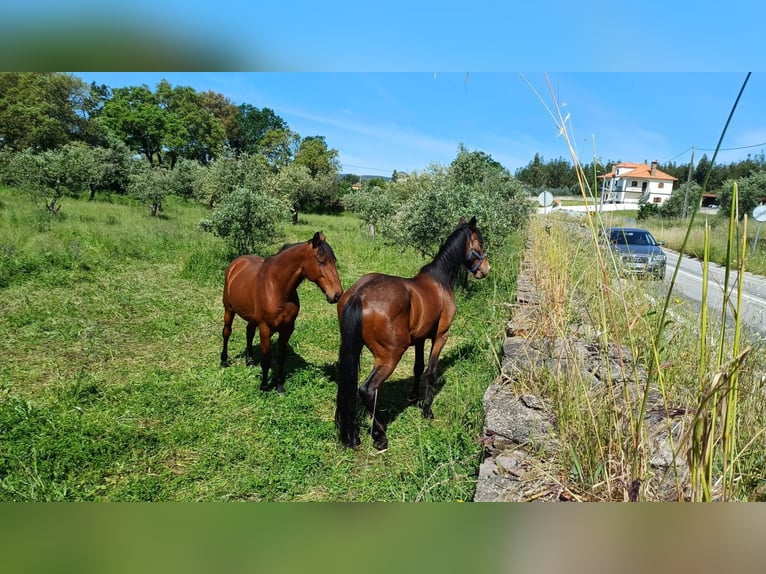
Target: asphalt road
{"points": [[689, 284]]}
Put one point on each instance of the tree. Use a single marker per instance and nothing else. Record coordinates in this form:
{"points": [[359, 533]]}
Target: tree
{"points": [[317, 157], [372, 204], [248, 219], [185, 175], [227, 113], [434, 201], [305, 193], [191, 130], [471, 167], [50, 175], [253, 125], [150, 185], [165, 125], [279, 147], [533, 174], [751, 192], [227, 173], [43, 110], [134, 115]]}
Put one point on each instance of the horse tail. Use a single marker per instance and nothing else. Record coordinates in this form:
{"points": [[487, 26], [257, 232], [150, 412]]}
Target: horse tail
{"points": [[348, 370]]}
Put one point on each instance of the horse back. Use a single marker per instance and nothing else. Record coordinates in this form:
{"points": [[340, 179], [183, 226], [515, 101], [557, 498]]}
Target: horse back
{"points": [[418, 305]]}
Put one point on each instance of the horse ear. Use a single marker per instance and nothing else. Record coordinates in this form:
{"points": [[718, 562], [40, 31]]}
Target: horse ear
{"points": [[472, 223], [317, 239]]}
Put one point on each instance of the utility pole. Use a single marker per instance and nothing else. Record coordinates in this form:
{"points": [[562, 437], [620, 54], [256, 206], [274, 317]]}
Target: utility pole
{"points": [[688, 185]]}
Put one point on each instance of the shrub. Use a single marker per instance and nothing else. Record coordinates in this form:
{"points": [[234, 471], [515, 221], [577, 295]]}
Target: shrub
{"points": [[247, 219]]}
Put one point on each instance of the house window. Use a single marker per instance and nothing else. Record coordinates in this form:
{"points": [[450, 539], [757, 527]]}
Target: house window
{"points": [[634, 183], [661, 185], [657, 200]]}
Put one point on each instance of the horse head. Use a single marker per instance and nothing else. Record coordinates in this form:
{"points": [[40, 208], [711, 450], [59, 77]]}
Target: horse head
{"points": [[475, 257], [321, 268]]}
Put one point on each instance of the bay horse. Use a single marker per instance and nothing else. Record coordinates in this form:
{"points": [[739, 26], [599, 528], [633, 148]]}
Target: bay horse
{"points": [[389, 314], [263, 291]]}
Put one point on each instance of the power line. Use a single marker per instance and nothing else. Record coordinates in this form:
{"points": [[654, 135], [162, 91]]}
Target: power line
{"points": [[345, 165], [733, 148], [713, 149]]}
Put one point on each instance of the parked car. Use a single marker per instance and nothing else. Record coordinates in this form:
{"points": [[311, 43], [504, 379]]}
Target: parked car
{"points": [[638, 252]]}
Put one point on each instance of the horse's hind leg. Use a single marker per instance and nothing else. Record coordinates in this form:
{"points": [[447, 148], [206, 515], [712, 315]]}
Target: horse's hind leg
{"points": [[433, 362], [284, 338], [265, 335], [418, 372], [368, 393], [228, 319]]}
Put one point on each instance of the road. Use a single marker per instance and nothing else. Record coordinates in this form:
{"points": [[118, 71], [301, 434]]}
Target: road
{"points": [[689, 284]]}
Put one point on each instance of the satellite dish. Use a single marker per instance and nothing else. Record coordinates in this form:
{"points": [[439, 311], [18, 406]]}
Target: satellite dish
{"points": [[759, 213], [545, 199]]}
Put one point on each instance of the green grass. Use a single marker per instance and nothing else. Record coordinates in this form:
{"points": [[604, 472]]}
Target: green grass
{"points": [[110, 388]]}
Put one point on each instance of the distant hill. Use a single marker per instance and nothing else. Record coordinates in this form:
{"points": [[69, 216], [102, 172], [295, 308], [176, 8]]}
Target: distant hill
{"points": [[365, 177]]}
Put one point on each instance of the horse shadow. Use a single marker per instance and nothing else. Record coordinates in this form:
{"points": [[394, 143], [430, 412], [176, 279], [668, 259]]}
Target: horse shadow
{"points": [[294, 362], [394, 396]]}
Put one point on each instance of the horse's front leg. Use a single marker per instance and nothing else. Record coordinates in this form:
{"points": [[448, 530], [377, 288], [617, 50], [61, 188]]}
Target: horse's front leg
{"points": [[284, 337], [433, 362], [228, 319], [418, 372], [265, 334], [249, 355]]}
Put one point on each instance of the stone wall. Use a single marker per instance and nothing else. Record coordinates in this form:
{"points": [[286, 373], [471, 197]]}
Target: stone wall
{"points": [[520, 435]]}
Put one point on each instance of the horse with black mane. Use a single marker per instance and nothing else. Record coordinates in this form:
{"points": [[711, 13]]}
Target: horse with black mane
{"points": [[263, 291], [389, 314]]}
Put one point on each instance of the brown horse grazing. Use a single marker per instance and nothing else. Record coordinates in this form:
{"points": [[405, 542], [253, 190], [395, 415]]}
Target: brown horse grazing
{"points": [[388, 315], [264, 293]]}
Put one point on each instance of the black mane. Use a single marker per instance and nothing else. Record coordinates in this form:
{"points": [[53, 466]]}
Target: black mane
{"points": [[450, 258], [324, 249]]}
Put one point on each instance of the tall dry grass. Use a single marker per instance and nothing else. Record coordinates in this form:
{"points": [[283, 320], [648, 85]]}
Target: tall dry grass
{"points": [[685, 384]]}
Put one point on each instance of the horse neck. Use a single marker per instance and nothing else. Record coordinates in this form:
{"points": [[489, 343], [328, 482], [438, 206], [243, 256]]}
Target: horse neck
{"points": [[288, 267], [447, 262]]}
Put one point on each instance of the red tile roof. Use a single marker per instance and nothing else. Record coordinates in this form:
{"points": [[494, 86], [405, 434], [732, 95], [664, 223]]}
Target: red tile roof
{"points": [[639, 171]]}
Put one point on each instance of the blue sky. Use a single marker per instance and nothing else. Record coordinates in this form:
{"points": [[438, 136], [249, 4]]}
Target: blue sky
{"points": [[407, 35], [380, 122]]}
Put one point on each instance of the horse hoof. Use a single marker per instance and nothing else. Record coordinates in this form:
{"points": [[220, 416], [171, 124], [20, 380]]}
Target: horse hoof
{"points": [[264, 387], [281, 389], [350, 440], [428, 414], [352, 444], [225, 363], [381, 444]]}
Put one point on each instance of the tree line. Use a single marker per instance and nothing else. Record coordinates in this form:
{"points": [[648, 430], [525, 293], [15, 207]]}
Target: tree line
{"points": [[60, 137], [559, 175]]}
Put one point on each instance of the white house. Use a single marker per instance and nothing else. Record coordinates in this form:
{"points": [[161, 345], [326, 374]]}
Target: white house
{"points": [[636, 183]]}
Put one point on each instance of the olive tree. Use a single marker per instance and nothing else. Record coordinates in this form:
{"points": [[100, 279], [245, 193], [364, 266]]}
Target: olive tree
{"points": [[248, 219], [150, 185], [50, 175]]}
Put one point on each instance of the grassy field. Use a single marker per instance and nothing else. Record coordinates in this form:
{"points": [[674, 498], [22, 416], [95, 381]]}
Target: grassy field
{"points": [[110, 388]]}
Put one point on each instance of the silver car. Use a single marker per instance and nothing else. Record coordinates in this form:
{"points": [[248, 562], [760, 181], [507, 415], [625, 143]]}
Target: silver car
{"points": [[637, 250]]}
